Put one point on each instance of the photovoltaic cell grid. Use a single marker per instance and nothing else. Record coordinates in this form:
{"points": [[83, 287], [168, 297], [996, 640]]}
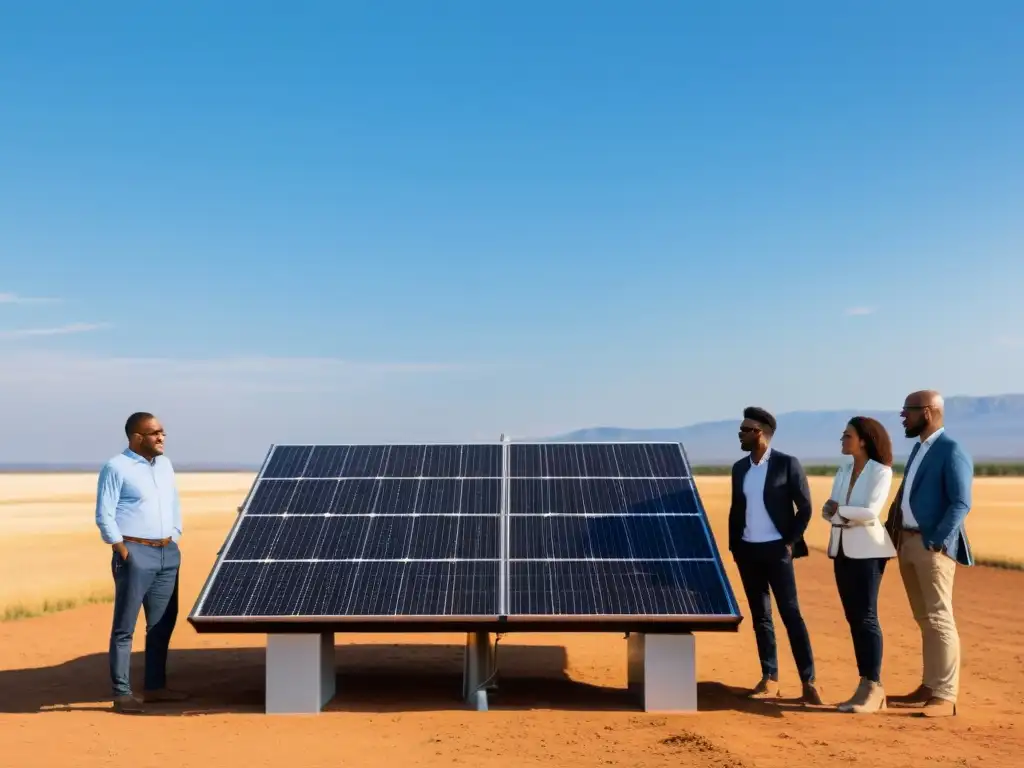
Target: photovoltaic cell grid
{"points": [[596, 460], [608, 530], [586, 530], [371, 530], [335, 461]]}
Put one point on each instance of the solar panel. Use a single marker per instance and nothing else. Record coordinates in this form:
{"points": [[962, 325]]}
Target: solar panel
{"points": [[486, 535], [373, 531], [610, 530], [334, 461], [596, 460], [352, 589]]}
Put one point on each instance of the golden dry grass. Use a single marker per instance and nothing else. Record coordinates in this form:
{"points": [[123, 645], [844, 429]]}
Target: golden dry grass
{"points": [[51, 556]]}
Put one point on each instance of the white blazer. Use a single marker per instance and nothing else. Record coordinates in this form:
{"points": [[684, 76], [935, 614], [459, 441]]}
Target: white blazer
{"points": [[862, 534]]}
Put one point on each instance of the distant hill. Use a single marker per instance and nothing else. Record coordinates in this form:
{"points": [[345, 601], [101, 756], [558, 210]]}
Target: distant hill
{"points": [[992, 428]]}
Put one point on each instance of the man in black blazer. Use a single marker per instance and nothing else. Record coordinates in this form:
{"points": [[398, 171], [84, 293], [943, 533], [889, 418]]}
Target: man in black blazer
{"points": [[770, 510]]}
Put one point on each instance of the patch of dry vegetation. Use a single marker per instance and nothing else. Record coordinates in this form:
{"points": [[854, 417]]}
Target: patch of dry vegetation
{"points": [[30, 610]]}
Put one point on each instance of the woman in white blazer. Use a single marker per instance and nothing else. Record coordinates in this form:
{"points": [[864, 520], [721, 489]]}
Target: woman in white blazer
{"points": [[859, 547]]}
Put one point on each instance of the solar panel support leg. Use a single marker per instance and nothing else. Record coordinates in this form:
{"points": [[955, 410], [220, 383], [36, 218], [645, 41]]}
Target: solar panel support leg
{"points": [[477, 669], [300, 675], [662, 671]]}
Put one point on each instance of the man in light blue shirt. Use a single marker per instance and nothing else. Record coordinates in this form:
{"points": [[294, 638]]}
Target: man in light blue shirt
{"points": [[138, 513]]}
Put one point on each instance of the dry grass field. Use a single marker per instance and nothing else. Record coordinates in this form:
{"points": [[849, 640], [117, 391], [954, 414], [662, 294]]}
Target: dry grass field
{"points": [[561, 700], [54, 513]]}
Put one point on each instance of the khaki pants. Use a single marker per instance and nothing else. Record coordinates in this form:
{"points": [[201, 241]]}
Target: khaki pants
{"points": [[928, 579]]}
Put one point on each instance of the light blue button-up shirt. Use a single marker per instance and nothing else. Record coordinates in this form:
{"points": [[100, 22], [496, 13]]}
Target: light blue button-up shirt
{"points": [[137, 498]]}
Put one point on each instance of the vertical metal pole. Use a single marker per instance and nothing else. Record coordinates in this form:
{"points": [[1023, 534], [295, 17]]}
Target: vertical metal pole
{"points": [[503, 527], [477, 668]]}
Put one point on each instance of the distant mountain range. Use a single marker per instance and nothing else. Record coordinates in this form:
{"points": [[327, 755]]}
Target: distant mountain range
{"points": [[992, 428]]}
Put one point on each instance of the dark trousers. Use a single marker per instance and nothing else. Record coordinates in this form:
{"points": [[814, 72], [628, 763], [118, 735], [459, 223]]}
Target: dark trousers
{"points": [[767, 569], [147, 579], [858, 582]]}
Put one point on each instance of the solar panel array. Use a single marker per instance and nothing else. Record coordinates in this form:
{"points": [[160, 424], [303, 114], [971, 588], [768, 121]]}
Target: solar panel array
{"points": [[529, 531]]}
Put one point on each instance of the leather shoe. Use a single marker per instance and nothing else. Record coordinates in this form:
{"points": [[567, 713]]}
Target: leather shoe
{"points": [[919, 695], [164, 694], [938, 707], [128, 704], [766, 689], [811, 695]]}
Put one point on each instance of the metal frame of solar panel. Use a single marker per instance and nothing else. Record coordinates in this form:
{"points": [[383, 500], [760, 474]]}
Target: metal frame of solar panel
{"points": [[475, 537]]}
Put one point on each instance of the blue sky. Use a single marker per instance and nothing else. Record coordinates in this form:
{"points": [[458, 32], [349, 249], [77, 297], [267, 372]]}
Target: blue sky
{"points": [[413, 221]]}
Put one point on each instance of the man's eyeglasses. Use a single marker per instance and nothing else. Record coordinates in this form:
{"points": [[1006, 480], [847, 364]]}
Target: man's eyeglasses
{"points": [[748, 430]]}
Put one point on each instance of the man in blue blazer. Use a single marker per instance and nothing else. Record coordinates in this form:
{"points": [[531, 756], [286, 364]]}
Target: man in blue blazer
{"points": [[926, 522]]}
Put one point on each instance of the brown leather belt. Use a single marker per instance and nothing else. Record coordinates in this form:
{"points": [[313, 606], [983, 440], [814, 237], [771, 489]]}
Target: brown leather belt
{"points": [[148, 542]]}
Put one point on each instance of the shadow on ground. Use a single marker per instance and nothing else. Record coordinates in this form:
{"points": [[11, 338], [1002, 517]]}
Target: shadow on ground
{"points": [[370, 678], [716, 697]]}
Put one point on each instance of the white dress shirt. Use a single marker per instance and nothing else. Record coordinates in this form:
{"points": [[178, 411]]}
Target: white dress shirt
{"points": [[759, 526], [909, 521]]}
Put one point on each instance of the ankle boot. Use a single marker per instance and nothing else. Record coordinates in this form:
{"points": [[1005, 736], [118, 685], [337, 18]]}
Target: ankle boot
{"points": [[870, 698], [845, 705]]}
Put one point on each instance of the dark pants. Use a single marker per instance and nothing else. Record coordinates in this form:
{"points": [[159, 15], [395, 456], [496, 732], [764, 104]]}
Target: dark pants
{"points": [[858, 582], [768, 569], [148, 579]]}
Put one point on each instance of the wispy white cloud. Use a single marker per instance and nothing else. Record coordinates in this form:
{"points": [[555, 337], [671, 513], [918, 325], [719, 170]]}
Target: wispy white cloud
{"points": [[859, 311], [60, 330], [13, 298]]}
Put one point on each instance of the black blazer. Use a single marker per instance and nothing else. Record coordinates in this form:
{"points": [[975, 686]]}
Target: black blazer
{"points": [[787, 497]]}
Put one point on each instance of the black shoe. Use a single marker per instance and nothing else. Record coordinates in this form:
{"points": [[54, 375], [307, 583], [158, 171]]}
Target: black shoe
{"points": [[811, 695], [128, 704]]}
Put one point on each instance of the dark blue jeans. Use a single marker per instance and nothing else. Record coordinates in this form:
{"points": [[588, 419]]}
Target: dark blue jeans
{"points": [[858, 582], [767, 569], [147, 579]]}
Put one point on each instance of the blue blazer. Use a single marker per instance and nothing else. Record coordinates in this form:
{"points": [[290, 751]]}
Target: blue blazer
{"points": [[940, 498]]}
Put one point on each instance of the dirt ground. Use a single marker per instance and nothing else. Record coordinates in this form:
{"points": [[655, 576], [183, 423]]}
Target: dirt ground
{"points": [[561, 698]]}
